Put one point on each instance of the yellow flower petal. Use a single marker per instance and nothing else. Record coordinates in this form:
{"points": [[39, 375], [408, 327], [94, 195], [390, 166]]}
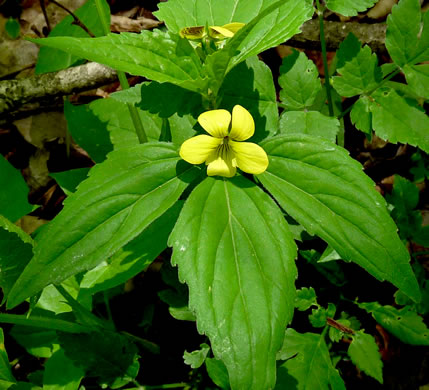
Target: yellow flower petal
{"points": [[243, 126], [220, 162], [233, 27], [251, 158], [220, 32], [215, 122], [197, 149]]}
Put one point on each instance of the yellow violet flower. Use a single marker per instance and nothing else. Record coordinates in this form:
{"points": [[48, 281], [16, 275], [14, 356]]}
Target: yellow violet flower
{"points": [[222, 150], [216, 32]]}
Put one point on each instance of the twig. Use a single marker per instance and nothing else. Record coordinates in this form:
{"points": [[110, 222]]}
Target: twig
{"points": [[372, 35], [338, 326], [16, 93], [77, 21], [45, 15]]}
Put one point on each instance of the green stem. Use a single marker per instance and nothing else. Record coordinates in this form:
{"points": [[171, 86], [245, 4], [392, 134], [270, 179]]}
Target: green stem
{"points": [[44, 322], [320, 11], [107, 304], [135, 117]]}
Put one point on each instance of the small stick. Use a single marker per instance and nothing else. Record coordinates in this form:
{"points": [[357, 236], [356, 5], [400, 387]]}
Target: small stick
{"points": [[339, 326]]}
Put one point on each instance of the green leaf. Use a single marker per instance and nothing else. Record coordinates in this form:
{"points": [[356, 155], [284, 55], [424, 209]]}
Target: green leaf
{"points": [[349, 49], [360, 75], [309, 365], [236, 253], [61, 374], [418, 79], [14, 193], [276, 22], [404, 198], [335, 335], [5, 369], [133, 257], [121, 198], [16, 250], [299, 80], [196, 358], [43, 322], [349, 7], [317, 317], [364, 353], [251, 85], [361, 114], [69, 180], [51, 60], [405, 41], [167, 99], [217, 373], [325, 190], [109, 355], [399, 120], [12, 28], [88, 130], [159, 56], [405, 324], [305, 298], [309, 122], [115, 116]]}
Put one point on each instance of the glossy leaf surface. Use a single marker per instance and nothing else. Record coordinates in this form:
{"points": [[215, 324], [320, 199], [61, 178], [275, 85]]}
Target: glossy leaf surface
{"points": [[159, 56], [404, 323], [299, 80], [122, 196], [363, 351], [325, 190], [349, 7], [235, 252], [308, 366]]}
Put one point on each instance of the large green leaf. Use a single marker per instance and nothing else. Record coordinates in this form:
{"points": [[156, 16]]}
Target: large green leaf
{"points": [[309, 122], [14, 192], [88, 130], [251, 85], [308, 365], [108, 355], [133, 257], [236, 253], [159, 56], [349, 7], [61, 374], [405, 41], [299, 80], [275, 23], [403, 323], [51, 60], [6, 376], [325, 190], [16, 250], [122, 196], [399, 120]]}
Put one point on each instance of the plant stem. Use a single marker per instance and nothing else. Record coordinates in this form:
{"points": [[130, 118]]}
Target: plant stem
{"points": [[320, 10], [135, 117], [107, 304], [77, 21], [338, 326]]}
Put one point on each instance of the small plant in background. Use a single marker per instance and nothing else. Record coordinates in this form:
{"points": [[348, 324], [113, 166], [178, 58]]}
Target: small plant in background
{"points": [[167, 152]]}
